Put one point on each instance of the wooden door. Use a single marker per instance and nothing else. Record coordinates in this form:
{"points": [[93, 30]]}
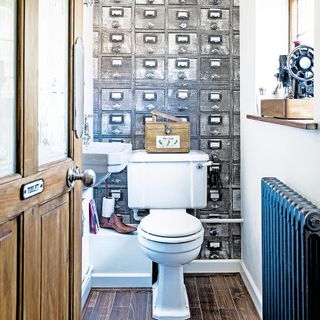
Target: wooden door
{"points": [[40, 236]]}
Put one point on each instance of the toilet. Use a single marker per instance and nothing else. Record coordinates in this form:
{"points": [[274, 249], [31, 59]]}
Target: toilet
{"points": [[168, 184]]}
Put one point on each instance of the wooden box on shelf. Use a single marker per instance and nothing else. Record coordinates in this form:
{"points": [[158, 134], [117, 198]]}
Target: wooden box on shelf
{"points": [[287, 108], [164, 136]]}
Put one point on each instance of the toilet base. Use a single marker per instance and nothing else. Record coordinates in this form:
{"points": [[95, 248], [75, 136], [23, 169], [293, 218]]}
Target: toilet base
{"points": [[170, 300]]}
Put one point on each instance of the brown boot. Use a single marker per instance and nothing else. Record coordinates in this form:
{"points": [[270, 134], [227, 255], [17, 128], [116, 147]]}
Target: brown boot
{"points": [[114, 222]]}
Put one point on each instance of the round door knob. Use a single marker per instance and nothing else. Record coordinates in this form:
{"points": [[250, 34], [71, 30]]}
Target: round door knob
{"points": [[88, 177]]}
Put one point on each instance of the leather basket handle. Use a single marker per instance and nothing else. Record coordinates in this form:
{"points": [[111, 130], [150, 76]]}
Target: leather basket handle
{"points": [[165, 116]]}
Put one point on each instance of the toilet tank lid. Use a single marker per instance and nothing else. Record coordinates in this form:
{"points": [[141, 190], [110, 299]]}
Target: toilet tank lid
{"points": [[193, 155]]}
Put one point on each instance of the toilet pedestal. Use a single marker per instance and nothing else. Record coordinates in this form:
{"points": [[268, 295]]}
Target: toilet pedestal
{"points": [[170, 300]]}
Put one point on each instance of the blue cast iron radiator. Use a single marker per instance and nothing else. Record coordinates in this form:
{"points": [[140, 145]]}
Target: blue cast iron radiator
{"points": [[291, 254]]}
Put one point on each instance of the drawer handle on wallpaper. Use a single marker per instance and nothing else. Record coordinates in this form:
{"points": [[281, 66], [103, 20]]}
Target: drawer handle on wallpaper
{"points": [[181, 75], [149, 75], [183, 108], [116, 49], [216, 2], [150, 107], [213, 26], [116, 76], [183, 25], [150, 25], [215, 132], [115, 181], [215, 51], [150, 50], [215, 107], [116, 131], [115, 24], [151, 1], [215, 76], [182, 50], [116, 107]]}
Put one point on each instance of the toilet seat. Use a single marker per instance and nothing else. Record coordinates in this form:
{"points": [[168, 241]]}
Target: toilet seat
{"points": [[173, 240], [170, 224]]}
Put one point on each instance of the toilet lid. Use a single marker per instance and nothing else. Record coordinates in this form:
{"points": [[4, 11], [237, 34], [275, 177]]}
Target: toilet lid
{"points": [[176, 225]]}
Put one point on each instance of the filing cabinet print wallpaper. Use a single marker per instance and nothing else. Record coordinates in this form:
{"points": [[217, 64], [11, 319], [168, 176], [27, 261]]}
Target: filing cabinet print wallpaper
{"points": [[179, 57]]}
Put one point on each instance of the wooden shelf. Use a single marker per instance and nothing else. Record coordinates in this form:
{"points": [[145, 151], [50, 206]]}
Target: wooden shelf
{"points": [[301, 124]]}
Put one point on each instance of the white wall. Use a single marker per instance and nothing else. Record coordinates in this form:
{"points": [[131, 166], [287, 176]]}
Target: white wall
{"points": [[292, 155]]}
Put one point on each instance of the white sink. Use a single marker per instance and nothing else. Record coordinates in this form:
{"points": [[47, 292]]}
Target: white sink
{"points": [[104, 157]]}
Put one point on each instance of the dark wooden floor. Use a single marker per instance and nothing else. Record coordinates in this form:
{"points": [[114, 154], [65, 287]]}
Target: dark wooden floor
{"points": [[216, 297]]}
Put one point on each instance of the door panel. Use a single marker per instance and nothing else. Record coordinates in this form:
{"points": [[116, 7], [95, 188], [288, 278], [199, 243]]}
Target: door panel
{"points": [[32, 264], [8, 270], [55, 258]]}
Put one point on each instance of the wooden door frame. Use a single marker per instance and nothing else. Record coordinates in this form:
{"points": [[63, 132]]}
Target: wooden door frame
{"points": [[54, 174]]}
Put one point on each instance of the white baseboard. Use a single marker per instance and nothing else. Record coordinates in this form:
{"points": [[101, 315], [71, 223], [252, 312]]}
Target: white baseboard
{"points": [[213, 266], [121, 280], [254, 292], [86, 286]]}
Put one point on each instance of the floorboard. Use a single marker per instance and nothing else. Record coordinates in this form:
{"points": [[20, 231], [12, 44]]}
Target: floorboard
{"points": [[211, 297]]}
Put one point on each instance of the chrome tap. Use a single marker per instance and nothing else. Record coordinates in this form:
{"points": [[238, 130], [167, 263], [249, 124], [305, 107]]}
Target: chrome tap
{"points": [[86, 131]]}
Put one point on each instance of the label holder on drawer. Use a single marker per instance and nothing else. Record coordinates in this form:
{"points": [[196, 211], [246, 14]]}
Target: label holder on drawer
{"points": [[117, 37], [116, 119], [116, 96], [150, 14], [214, 119], [214, 96], [150, 63], [119, 12], [182, 63], [149, 96], [214, 14], [214, 39], [183, 15], [148, 38], [183, 38]]}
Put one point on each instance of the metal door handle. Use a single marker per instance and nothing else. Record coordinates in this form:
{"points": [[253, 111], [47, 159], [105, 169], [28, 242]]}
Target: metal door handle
{"points": [[88, 177]]}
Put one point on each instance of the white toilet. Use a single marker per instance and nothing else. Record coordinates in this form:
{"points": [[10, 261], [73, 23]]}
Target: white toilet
{"points": [[168, 184]]}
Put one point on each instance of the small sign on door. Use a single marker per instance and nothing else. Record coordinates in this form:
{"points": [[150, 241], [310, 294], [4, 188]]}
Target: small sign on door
{"points": [[31, 189]]}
